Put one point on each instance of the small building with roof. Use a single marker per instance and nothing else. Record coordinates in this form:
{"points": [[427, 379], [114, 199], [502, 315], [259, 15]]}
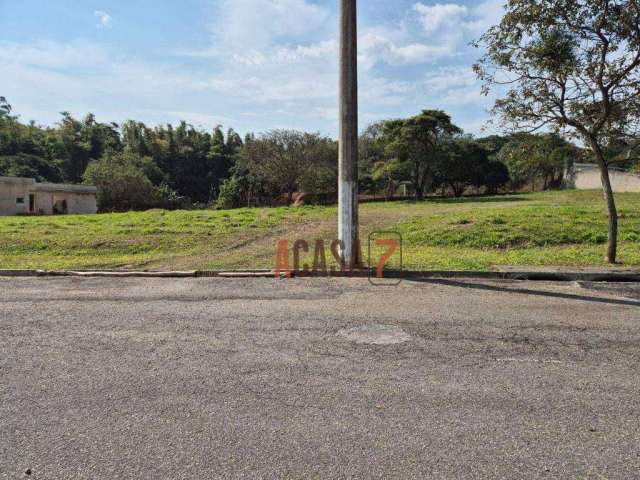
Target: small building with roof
{"points": [[25, 196]]}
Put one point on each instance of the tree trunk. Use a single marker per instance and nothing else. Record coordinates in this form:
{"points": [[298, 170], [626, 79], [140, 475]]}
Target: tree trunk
{"points": [[612, 251], [390, 191]]}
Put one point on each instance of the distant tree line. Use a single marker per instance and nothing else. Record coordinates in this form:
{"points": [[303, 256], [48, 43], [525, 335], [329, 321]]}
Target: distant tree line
{"points": [[139, 167], [136, 167]]}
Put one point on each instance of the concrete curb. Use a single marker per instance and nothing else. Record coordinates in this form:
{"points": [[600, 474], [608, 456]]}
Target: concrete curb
{"points": [[100, 273], [549, 276]]}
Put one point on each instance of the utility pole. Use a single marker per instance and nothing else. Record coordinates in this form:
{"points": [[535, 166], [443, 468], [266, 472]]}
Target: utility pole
{"points": [[348, 158]]}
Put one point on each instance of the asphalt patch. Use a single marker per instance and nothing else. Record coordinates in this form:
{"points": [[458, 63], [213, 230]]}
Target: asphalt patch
{"points": [[375, 335]]}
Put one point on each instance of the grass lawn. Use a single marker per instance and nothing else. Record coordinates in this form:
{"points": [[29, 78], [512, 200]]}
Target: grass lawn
{"points": [[551, 228]]}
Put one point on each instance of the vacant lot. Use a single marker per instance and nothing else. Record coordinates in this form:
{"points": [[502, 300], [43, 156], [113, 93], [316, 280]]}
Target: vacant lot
{"points": [[551, 228]]}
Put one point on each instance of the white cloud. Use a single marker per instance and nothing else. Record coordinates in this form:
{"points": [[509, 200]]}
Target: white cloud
{"points": [[255, 24], [454, 86], [104, 19], [488, 13], [453, 26], [375, 47], [441, 16], [52, 77], [284, 55], [54, 55], [277, 60], [285, 51], [200, 119], [449, 78]]}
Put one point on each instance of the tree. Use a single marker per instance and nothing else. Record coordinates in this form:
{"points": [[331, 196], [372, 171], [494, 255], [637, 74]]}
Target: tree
{"points": [[285, 157], [5, 108], [532, 159], [390, 173], [623, 152], [461, 165], [82, 141], [181, 162], [418, 141], [321, 180], [465, 163], [243, 188], [493, 144], [30, 166], [372, 157], [122, 183], [569, 65], [496, 176]]}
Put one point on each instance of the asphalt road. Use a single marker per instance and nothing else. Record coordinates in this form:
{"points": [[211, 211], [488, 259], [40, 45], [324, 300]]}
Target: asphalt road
{"points": [[208, 378]]}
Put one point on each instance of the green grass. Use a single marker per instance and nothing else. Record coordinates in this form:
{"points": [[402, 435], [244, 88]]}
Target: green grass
{"points": [[551, 228]]}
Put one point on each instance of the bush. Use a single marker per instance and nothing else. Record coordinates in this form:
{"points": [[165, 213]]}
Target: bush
{"points": [[122, 184], [230, 194]]}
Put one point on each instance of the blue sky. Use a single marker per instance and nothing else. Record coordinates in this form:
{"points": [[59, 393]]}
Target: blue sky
{"points": [[253, 65]]}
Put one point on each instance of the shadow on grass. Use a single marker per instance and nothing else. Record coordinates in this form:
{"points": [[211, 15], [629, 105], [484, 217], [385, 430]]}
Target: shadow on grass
{"points": [[454, 200], [479, 199], [525, 291]]}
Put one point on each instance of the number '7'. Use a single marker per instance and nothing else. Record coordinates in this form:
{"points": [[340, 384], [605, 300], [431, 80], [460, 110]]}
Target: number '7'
{"points": [[392, 246]]}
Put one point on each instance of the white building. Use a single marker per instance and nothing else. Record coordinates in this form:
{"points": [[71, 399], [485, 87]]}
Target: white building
{"points": [[24, 196], [586, 176]]}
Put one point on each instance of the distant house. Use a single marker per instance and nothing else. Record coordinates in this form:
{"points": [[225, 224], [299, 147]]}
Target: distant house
{"points": [[24, 196], [586, 176]]}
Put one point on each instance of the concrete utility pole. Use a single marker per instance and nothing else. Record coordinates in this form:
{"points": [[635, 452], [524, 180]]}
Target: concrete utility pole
{"points": [[348, 159]]}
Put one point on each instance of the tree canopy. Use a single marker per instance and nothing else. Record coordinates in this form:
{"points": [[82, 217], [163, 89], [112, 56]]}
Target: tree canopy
{"points": [[568, 65], [177, 166], [418, 141]]}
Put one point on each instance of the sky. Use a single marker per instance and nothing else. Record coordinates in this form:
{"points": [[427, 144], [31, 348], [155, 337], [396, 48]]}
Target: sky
{"points": [[254, 65]]}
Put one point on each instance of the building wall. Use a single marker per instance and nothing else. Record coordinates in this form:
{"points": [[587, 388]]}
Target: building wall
{"points": [[588, 177], [77, 203], [44, 203], [9, 192], [79, 199]]}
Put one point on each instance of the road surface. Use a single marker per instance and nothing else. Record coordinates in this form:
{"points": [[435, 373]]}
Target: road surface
{"points": [[256, 378]]}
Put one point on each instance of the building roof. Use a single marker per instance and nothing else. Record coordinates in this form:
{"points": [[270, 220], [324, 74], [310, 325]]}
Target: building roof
{"points": [[49, 187], [61, 187]]}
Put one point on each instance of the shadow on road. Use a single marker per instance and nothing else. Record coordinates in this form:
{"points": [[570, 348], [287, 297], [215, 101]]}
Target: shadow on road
{"points": [[526, 291]]}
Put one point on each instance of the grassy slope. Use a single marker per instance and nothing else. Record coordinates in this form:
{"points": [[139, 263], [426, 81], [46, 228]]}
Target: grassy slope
{"points": [[553, 228]]}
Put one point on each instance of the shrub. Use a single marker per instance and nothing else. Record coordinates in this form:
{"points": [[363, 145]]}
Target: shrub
{"points": [[122, 184]]}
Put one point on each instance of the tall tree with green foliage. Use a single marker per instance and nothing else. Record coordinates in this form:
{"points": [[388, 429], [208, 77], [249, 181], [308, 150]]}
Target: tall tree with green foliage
{"points": [[570, 65], [532, 159], [418, 141], [30, 166], [285, 157], [83, 141], [461, 165], [5, 108]]}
